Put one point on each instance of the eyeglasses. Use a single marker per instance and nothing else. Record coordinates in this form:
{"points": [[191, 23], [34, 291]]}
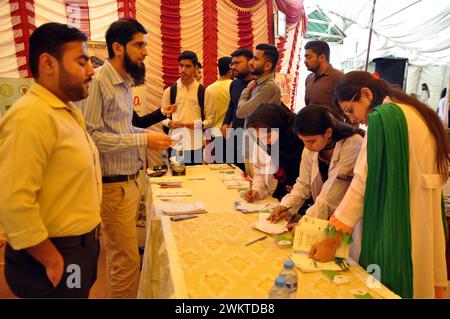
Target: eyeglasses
{"points": [[234, 63], [348, 104]]}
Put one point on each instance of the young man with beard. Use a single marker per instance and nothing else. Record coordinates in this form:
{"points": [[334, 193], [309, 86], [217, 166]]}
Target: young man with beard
{"points": [[263, 89], [190, 116], [199, 72], [241, 71], [321, 83], [108, 113], [51, 194]]}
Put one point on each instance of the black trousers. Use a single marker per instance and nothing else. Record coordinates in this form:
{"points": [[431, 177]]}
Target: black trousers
{"points": [[27, 278], [237, 151]]}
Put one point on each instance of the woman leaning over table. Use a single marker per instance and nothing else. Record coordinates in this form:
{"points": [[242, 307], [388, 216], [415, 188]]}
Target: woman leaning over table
{"points": [[326, 169], [277, 153], [397, 188]]}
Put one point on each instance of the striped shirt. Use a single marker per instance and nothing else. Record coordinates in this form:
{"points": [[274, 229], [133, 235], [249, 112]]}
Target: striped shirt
{"points": [[108, 111]]}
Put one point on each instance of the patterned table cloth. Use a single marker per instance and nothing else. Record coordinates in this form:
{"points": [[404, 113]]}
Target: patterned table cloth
{"points": [[206, 257]]}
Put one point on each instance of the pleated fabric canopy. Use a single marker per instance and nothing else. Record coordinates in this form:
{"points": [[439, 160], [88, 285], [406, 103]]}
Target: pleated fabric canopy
{"points": [[211, 28]]}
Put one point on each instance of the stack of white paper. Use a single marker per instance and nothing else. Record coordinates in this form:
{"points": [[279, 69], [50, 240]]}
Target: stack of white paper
{"points": [[236, 184], [166, 180], [182, 208], [173, 192], [245, 207], [267, 227], [306, 264], [235, 176], [169, 180], [219, 167]]}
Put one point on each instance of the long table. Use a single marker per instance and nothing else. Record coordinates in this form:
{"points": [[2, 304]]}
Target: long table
{"points": [[206, 257]]}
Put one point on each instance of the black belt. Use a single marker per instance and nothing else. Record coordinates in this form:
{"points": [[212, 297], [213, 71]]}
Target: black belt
{"points": [[71, 241], [119, 178]]}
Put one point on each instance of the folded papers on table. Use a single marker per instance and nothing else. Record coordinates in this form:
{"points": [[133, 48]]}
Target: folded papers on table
{"points": [[173, 209]]}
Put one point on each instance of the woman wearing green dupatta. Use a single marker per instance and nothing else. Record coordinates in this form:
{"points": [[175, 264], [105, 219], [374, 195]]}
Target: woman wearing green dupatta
{"points": [[397, 188]]}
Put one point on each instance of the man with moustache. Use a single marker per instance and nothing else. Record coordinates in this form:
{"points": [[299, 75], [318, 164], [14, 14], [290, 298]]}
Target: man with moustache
{"points": [[199, 72], [263, 89], [241, 72], [321, 83], [108, 113], [50, 171]]}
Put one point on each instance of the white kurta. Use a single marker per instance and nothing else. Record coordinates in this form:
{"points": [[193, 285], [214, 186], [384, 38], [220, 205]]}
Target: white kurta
{"points": [[443, 110], [427, 229]]}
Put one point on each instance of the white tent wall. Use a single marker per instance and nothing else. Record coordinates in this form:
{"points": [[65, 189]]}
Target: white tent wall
{"points": [[417, 30], [435, 76], [232, 27], [8, 60]]}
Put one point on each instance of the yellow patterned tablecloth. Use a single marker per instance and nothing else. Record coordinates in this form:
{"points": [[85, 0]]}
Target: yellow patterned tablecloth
{"points": [[206, 257], [210, 191]]}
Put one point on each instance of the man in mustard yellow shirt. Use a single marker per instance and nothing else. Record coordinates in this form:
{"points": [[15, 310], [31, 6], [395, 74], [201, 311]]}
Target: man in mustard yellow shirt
{"points": [[217, 98], [50, 174]]}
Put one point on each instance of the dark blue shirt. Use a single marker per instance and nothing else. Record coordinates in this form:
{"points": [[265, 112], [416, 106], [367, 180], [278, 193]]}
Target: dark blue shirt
{"points": [[236, 88]]}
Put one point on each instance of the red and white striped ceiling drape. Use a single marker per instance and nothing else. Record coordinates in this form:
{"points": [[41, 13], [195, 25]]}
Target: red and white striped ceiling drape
{"points": [[211, 28]]}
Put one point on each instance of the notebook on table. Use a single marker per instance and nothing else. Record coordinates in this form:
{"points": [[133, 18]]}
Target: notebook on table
{"points": [[177, 192], [174, 209]]}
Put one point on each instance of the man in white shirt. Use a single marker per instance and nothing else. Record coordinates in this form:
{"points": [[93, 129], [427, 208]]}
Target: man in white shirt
{"points": [[190, 117]]}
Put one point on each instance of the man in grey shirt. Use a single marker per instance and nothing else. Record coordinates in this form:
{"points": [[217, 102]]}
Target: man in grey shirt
{"points": [[264, 89]]}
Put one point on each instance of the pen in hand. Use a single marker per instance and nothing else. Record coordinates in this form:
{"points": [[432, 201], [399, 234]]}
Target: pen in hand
{"points": [[275, 218], [286, 209]]}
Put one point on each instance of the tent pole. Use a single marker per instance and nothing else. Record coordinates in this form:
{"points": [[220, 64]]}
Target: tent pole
{"points": [[370, 34]]}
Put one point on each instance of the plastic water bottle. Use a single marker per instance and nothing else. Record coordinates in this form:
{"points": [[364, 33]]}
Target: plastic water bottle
{"points": [[290, 276], [165, 158], [279, 290]]}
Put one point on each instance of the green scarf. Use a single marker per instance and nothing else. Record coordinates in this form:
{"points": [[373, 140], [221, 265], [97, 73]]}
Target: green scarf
{"points": [[386, 235]]}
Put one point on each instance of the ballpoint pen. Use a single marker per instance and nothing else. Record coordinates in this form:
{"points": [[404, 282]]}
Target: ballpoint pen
{"points": [[255, 240], [282, 211]]}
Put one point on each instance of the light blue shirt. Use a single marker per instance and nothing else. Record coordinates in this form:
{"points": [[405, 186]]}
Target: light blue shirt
{"points": [[108, 111]]}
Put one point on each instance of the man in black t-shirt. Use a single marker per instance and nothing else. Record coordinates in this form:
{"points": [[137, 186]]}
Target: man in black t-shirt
{"points": [[241, 72]]}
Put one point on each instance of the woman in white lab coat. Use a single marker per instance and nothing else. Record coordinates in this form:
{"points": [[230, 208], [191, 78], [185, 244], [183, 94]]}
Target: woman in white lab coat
{"points": [[397, 188], [326, 168], [276, 153]]}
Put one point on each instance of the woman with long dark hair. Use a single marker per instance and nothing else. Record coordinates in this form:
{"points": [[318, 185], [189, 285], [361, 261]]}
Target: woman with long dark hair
{"points": [[277, 152], [397, 188], [326, 169]]}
